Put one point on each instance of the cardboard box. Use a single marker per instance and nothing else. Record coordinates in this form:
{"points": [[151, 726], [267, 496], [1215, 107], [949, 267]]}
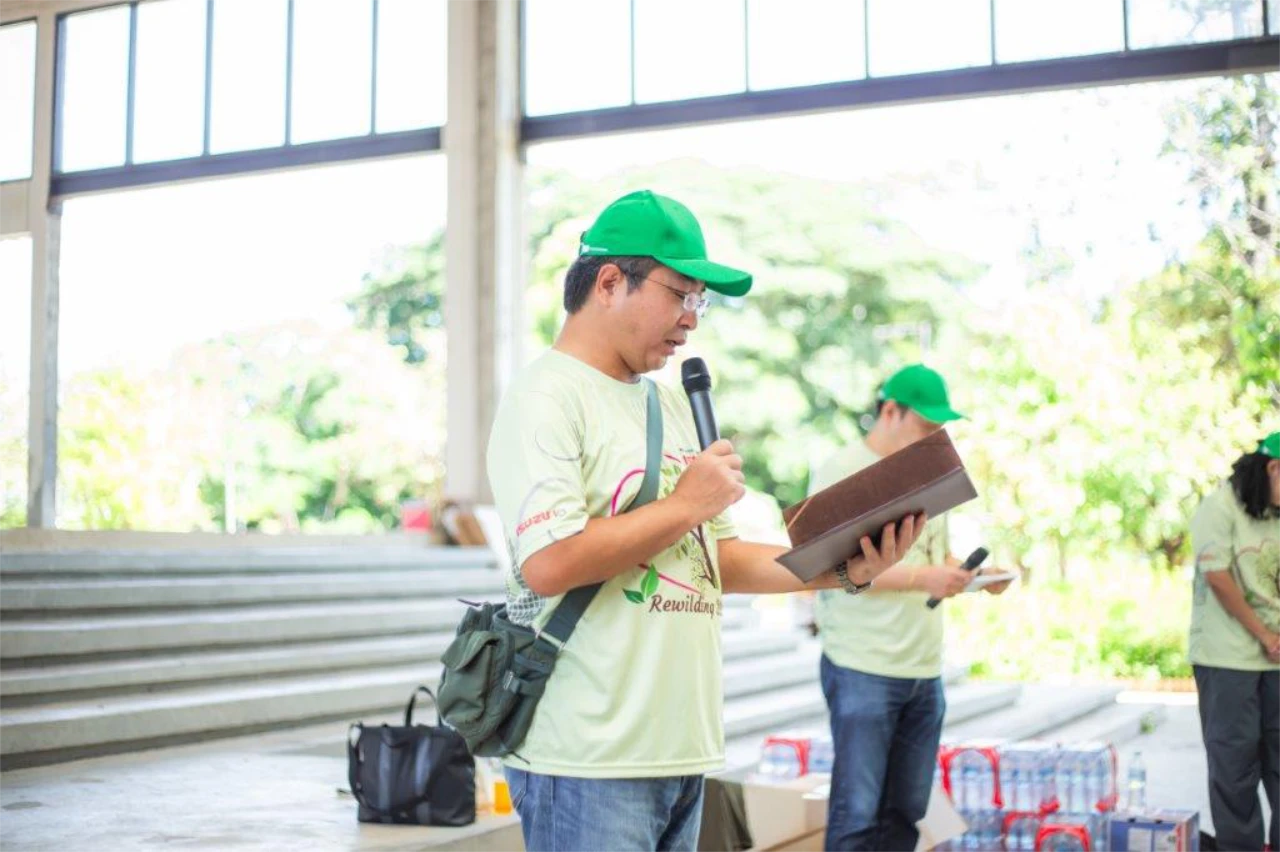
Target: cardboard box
{"points": [[942, 822], [814, 842], [786, 812], [1156, 831]]}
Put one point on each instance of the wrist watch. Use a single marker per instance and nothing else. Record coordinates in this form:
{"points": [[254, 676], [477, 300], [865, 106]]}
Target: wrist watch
{"points": [[842, 574]]}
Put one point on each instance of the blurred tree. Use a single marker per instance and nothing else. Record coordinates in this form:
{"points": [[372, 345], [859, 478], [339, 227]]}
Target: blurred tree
{"points": [[1225, 298], [404, 299], [833, 281]]}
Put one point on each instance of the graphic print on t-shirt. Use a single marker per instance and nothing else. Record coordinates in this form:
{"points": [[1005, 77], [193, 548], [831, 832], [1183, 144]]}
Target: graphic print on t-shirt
{"points": [[661, 592]]}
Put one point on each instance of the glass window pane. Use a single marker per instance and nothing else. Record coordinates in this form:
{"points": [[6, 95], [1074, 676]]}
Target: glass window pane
{"points": [[248, 74], [17, 99], [1155, 23], [1273, 18], [332, 68], [15, 360], [412, 63], [689, 49], [95, 85], [804, 42], [927, 35], [168, 117], [274, 375], [1043, 29], [556, 34]]}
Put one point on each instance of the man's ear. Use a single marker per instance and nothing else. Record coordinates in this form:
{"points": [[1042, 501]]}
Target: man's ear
{"points": [[609, 280]]}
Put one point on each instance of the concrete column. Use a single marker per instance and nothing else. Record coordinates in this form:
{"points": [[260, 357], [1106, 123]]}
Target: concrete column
{"points": [[44, 220], [484, 243]]}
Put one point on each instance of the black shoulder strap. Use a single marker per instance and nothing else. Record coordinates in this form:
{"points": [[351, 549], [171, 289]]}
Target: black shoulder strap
{"points": [[575, 602]]}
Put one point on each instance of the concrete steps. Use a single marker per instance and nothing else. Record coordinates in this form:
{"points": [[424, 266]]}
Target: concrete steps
{"points": [[29, 684], [754, 686], [42, 596], [1115, 723], [1040, 708], [170, 556], [127, 647], [54, 637]]}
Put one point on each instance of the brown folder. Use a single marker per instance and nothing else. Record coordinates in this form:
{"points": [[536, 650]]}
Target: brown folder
{"points": [[826, 529]]}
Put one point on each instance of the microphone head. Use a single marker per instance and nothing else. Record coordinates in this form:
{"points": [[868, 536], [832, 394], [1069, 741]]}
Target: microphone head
{"points": [[694, 375]]}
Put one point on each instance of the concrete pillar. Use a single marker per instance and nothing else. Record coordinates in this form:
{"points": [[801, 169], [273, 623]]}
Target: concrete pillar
{"points": [[484, 243], [44, 221]]}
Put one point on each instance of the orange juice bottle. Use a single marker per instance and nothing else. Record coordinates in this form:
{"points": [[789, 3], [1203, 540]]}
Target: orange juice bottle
{"points": [[501, 796], [501, 792]]}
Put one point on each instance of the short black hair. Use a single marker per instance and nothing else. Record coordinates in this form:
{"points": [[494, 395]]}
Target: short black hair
{"points": [[881, 399], [582, 274], [1252, 486]]}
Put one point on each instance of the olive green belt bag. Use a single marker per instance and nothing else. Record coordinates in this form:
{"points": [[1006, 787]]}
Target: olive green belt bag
{"points": [[495, 671]]}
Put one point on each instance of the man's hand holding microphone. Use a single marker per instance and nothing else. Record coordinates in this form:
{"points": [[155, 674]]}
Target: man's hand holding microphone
{"points": [[713, 482]]}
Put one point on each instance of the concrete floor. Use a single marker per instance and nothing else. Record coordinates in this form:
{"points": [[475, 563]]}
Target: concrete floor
{"points": [[276, 791], [282, 791]]}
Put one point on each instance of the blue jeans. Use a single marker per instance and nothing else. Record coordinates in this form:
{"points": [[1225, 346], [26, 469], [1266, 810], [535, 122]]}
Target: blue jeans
{"points": [[885, 731], [563, 814]]}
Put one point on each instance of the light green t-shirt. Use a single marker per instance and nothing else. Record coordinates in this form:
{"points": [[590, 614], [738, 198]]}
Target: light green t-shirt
{"points": [[887, 633], [636, 692], [1225, 538]]}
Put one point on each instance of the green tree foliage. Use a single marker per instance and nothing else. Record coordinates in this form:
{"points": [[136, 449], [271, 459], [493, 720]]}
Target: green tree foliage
{"points": [[831, 275], [404, 299], [290, 428], [1225, 298]]}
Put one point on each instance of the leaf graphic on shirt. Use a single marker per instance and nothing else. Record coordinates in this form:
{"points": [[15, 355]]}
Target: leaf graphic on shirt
{"points": [[649, 584], [633, 596]]}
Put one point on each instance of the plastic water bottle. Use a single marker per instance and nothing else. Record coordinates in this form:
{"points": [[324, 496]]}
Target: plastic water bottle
{"points": [[1044, 789], [987, 785], [969, 787], [966, 802], [1027, 830], [821, 754], [1137, 784], [1067, 782], [1101, 782], [1013, 771], [990, 829], [1080, 795], [1100, 832]]}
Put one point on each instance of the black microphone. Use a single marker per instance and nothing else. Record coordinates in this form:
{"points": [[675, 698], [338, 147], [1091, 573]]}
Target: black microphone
{"points": [[697, 384], [975, 559]]}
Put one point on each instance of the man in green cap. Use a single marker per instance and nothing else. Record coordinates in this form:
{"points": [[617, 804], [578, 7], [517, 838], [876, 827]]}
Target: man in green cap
{"points": [[881, 667], [1235, 644], [631, 716]]}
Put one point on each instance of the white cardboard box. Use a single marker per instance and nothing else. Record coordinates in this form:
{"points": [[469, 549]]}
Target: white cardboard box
{"points": [[782, 812]]}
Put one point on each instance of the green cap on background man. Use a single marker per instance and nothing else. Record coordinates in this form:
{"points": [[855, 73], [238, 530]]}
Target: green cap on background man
{"points": [[644, 224], [1270, 445], [923, 391]]}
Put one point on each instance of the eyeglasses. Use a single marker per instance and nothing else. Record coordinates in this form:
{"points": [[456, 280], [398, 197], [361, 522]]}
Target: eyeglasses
{"points": [[695, 303]]}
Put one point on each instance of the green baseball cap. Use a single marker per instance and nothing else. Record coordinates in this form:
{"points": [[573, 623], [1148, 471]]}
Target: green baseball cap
{"points": [[923, 391], [1270, 445], [645, 224]]}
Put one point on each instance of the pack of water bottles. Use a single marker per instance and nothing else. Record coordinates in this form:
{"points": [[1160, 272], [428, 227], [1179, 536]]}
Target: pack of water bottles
{"points": [[1030, 796], [787, 756], [970, 774]]}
